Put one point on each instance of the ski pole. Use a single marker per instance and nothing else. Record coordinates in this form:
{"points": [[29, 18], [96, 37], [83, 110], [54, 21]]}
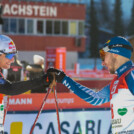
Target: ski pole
{"points": [[57, 111], [41, 108]]}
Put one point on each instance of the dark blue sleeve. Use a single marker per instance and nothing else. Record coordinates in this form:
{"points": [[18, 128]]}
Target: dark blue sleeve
{"points": [[130, 81], [87, 94]]}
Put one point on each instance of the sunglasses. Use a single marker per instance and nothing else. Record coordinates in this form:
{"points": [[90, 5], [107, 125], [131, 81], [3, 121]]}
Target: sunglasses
{"points": [[107, 48], [102, 54], [10, 55]]}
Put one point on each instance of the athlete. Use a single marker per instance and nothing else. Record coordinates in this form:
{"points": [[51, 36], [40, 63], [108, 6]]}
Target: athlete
{"points": [[115, 55], [7, 53]]}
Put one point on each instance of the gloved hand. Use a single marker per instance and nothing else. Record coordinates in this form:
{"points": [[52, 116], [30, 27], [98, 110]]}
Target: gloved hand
{"points": [[48, 78], [59, 75]]}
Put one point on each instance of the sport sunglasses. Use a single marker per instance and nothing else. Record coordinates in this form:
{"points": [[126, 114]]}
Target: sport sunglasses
{"points": [[9, 55], [107, 48]]}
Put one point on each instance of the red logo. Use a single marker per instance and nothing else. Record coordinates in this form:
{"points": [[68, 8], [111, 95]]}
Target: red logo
{"points": [[11, 45], [114, 86]]}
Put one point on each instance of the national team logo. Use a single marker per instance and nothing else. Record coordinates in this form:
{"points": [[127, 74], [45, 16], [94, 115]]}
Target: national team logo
{"points": [[114, 86]]}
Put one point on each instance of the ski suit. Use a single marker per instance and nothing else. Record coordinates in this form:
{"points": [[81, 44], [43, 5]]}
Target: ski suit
{"points": [[120, 94]]}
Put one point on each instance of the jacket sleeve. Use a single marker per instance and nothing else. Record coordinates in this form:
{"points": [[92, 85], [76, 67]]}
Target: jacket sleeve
{"points": [[92, 97], [9, 88]]}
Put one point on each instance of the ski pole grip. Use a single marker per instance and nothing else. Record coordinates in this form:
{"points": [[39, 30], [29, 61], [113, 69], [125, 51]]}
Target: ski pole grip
{"points": [[53, 83]]}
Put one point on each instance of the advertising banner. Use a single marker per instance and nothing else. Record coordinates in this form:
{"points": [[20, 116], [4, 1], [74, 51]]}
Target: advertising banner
{"points": [[71, 122], [76, 115], [32, 102], [56, 57], [61, 58]]}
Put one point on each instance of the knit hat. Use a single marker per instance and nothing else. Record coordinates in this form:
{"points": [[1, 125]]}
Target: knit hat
{"points": [[119, 45]]}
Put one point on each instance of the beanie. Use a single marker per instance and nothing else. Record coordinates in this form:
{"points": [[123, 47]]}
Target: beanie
{"points": [[119, 45]]}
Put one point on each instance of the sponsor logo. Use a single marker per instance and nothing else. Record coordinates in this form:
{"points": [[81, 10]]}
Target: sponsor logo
{"points": [[122, 69], [113, 50], [122, 111], [126, 132], [116, 121], [1, 107], [114, 86], [11, 45]]}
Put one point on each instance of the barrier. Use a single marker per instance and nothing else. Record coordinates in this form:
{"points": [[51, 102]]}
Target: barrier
{"points": [[76, 115]]}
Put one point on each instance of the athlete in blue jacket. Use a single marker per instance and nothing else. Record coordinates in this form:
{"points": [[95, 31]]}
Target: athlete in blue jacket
{"points": [[115, 55]]}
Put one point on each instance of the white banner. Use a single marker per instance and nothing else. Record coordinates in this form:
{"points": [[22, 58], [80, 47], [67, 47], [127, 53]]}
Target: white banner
{"points": [[72, 122]]}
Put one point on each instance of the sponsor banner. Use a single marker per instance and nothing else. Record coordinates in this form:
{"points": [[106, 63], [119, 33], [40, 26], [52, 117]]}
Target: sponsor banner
{"points": [[43, 10], [56, 57], [32, 102], [71, 122], [61, 58]]}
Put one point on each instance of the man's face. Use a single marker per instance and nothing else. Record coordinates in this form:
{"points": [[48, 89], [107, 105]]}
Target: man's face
{"points": [[110, 62], [5, 63]]}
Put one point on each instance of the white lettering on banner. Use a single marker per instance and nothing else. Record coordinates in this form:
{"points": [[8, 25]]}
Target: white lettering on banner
{"points": [[65, 101], [29, 10], [42, 11], [22, 10], [6, 9], [61, 50], [20, 101], [14, 9], [61, 61], [35, 10]]}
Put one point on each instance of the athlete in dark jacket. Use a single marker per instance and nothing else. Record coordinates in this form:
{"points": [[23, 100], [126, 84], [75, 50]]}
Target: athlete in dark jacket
{"points": [[7, 53]]}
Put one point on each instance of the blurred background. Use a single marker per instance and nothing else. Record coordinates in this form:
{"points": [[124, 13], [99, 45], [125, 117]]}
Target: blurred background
{"points": [[65, 34]]}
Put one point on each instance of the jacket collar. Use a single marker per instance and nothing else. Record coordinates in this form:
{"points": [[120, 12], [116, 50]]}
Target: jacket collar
{"points": [[123, 68]]}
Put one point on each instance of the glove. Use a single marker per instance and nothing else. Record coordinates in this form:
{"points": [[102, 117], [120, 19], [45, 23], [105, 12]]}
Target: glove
{"points": [[48, 78], [59, 75]]}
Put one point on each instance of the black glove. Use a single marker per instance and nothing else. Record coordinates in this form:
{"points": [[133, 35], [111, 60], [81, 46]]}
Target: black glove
{"points": [[48, 78], [59, 75]]}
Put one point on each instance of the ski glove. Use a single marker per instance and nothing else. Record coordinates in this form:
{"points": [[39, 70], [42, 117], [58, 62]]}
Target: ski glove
{"points": [[48, 78], [59, 75]]}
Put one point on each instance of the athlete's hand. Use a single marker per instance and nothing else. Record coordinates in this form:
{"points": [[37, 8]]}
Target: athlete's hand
{"points": [[59, 75], [48, 78]]}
